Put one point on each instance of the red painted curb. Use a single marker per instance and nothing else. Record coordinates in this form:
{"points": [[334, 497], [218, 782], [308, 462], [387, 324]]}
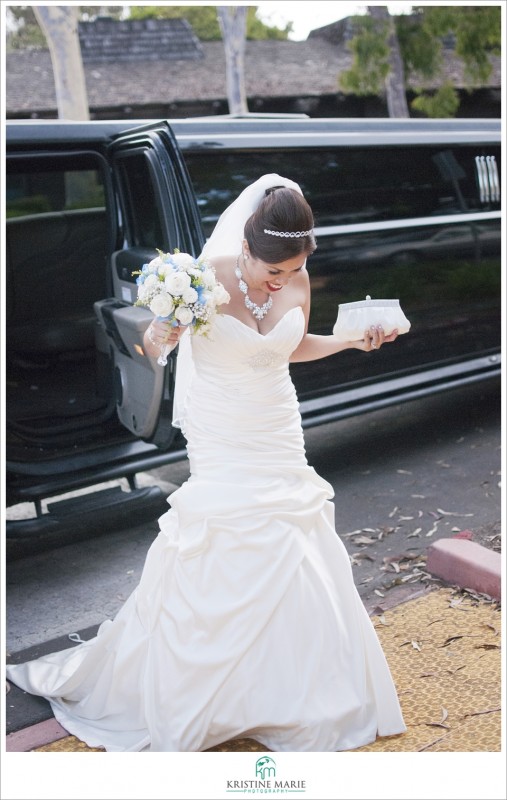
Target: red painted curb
{"points": [[466, 564], [35, 736]]}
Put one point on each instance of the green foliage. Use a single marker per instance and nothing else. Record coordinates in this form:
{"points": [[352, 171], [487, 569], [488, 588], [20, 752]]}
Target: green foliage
{"points": [[477, 34], [255, 29], [28, 33], [444, 102], [370, 65], [204, 21], [418, 47]]}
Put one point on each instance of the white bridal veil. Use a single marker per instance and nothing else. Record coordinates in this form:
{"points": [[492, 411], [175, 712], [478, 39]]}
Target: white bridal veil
{"points": [[226, 240]]}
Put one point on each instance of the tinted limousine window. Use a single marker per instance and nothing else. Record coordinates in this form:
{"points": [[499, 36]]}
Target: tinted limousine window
{"points": [[419, 222], [352, 185]]}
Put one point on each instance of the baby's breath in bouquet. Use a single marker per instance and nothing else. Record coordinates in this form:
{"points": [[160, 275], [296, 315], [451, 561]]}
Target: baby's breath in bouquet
{"points": [[181, 289]]}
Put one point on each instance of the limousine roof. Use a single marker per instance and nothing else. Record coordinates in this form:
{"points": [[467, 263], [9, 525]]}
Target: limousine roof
{"points": [[257, 130]]}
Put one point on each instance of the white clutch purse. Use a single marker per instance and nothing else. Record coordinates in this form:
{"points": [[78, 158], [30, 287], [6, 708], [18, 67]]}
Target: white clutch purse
{"points": [[354, 318]]}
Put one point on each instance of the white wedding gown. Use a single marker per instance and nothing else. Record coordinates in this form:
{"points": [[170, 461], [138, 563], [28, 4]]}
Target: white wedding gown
{"points": [[246, 621]]}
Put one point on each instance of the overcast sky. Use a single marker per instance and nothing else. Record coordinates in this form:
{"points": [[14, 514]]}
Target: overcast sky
{"points": [[307, 15]]}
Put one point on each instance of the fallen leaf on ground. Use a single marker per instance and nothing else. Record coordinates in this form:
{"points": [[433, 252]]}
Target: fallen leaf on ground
{"points": [[491, 627], [435, 741], [440, 724], [457, 669], [362, 556], [486, 711], [487, 646], [364, 540], [459, 636], [452, 513]]}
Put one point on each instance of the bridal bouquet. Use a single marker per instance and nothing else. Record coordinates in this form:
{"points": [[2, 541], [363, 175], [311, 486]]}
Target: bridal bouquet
{"points": [[181, 289]]}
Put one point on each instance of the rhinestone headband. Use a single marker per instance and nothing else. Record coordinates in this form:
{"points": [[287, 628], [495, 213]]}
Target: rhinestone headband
{"points": [[289, 234]]}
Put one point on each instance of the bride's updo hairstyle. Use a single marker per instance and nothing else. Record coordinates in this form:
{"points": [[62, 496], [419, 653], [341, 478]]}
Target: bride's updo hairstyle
{"points": [[285, 213]]}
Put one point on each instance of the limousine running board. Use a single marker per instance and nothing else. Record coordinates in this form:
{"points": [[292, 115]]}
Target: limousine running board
{"points": [[375, 396], [93, 513]]}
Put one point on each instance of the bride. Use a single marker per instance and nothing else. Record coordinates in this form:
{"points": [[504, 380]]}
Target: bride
{"points": [[246, 621]]}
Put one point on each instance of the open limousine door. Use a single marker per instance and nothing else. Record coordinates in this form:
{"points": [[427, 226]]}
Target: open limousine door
{"points": [[157, 211]]}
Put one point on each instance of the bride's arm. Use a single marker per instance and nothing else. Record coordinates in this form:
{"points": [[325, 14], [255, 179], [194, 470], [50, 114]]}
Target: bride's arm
{"points": [[160, 334], [313, 346]]}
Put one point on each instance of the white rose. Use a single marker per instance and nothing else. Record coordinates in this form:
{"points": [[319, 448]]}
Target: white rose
{"points": [[220, 295], [183, 261], [208, 278], [177, 282], [184, 315], [155, 264], [190, 295], [150, 282], [162, 305]]}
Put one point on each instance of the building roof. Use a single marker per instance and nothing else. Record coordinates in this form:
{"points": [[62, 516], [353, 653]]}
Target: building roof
{"points": [[273, 68], [108, 40]]}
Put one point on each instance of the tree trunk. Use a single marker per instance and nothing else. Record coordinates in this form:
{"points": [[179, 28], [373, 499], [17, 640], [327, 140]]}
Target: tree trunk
{"points": [[395, 81], [232, 21], [59, 24]]}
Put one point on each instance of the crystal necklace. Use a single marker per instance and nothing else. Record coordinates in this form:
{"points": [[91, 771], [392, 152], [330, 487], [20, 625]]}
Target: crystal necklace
{"points": [[259, 312]]}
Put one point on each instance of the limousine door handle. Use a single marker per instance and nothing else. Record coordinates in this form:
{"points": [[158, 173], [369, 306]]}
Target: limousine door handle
{"points": [[494, 183], [487, 174]]}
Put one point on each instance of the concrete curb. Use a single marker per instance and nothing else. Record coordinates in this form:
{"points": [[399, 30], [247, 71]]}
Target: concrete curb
{"points": [[35, 736], [466, 564]]}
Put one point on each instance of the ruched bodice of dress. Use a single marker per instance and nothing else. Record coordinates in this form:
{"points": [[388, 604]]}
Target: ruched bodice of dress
{"points": [[242, 398]]}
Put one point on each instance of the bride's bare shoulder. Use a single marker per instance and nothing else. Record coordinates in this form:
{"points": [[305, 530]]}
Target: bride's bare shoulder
{"points": [[223, 266]]}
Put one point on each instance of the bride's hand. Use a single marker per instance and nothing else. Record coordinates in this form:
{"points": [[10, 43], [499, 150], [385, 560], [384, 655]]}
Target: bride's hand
{"points": [[162, 334], [374, 338]]}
